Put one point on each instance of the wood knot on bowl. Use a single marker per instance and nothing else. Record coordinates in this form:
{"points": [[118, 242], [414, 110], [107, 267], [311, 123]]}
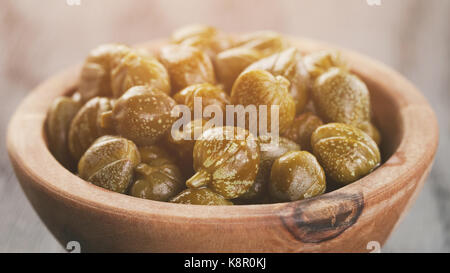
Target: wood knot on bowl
{"points": [[322, 218]]}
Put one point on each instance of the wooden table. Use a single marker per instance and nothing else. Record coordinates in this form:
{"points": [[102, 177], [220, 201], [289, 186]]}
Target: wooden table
{"points": [[39, 38]]}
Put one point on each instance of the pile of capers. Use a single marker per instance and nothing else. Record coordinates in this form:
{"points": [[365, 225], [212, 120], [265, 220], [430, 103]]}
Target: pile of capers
{"points": [[116, 130]]}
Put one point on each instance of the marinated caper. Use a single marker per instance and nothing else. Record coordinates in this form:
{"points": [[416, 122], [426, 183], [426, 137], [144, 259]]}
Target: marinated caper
{"points": [[59, 117], [153, 152], [158, 177], [270, 151], [137, 69], [370, 129], [142, 114], [187, 66], [195, 30], [109, 163], [295, 176], [86, 127], [226, 160], [210, 95], [302, 128], [289, 64], [206, 38], [310, 107], [266, 42], [320, 62], [201, 196], [272, 148], [345, 152], [95, 77], [230, 63], [341, 97], [182, 142], [259, 87]]}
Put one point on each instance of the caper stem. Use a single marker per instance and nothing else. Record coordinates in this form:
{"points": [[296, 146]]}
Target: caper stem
{"points": [[200, 179], [143, 169], [107, 120]]}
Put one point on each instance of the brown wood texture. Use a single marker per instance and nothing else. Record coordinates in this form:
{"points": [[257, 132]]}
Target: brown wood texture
{"points": [[342, 220], [39, 38]]}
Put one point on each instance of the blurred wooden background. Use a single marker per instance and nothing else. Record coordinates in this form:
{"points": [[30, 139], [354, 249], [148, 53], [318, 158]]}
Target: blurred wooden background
{"points": [[39, 38]]}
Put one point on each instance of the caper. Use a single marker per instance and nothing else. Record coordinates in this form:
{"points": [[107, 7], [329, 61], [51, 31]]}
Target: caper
{"points": [[345, 152], [265, 42], [160, 180], [206, 38], [186, 66], [261, 88], [296, 175], [302, 128], [320, 62], [143, 114], [342, 97], [226, 160], [209, 94], [230, 63], [270, 151], [370, 129], [137, 69], [289, 64], [86, 127], [95, 77], [182, 142], [109, 163], [59, 117], [201, 196]]}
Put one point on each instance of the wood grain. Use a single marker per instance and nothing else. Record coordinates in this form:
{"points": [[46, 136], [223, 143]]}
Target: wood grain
{"points": [[310, 222], [410, 35]]}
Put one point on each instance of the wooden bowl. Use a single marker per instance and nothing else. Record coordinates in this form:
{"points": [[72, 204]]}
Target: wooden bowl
{"points": [[345, 220]]}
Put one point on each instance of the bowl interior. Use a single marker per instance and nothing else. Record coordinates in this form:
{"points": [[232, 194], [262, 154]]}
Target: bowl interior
{"points": [[386, 117], [385, 114]]}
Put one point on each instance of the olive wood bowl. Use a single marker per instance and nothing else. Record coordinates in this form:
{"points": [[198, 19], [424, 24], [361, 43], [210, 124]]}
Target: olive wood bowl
{"points": [[345, 220]]}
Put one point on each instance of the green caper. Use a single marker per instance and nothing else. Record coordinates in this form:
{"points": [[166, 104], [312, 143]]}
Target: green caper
{"points": [[59, 117], [86, 127], [270, 151], [289, 64], [201, 196], [143, 114], [138, 69], [207, 38], [295, 176], [160, 180], [157, 177], [342, 97], [320, 62], [226, 160], [95, 76], [370, 129], [181, 143], [345, 152], [261, 88], [186, 66], [302, 128], [109, 163]]}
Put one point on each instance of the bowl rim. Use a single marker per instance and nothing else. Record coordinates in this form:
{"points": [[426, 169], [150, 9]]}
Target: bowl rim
{"points": [[33, 159]]}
